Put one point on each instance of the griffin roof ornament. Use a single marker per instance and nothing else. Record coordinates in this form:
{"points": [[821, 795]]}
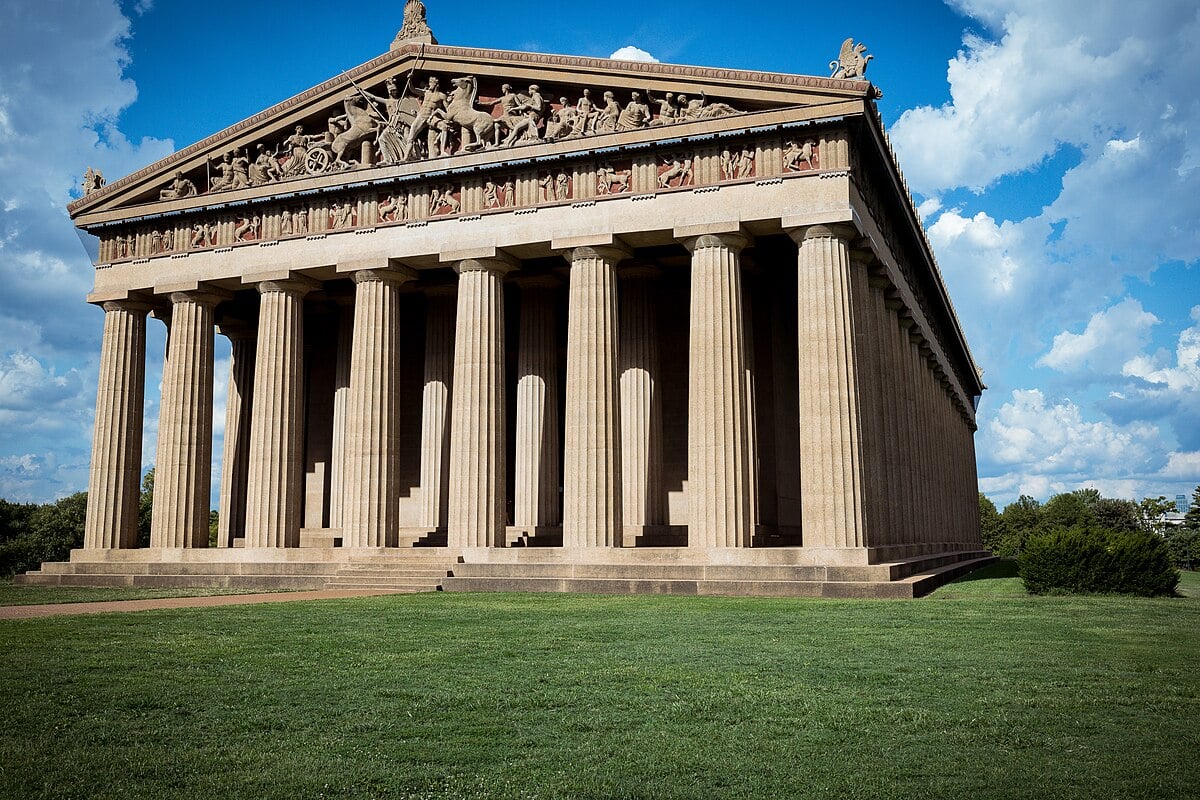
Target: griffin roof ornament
{"points": [[415, 28], [851, 61]]}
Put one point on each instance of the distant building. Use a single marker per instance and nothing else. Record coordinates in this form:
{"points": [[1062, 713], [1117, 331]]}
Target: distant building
{"points": [[1181, 503]]}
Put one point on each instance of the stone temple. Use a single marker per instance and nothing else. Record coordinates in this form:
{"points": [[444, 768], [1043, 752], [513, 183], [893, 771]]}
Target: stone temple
{"points": [[506, 320]]}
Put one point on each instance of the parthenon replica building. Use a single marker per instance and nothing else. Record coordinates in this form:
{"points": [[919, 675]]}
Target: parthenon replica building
{"points": [[507, 320]]}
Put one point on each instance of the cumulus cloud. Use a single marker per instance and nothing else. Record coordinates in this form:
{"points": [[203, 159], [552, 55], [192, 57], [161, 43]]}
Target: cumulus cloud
{"points": [[1112, 337], [62, 90], [631, 53]]}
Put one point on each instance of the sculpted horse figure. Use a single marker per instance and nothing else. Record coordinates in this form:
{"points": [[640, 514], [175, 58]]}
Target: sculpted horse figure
{"points": [[477, 126]]}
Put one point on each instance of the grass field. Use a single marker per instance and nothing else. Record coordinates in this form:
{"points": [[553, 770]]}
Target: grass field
{"points": [[977, 691]]}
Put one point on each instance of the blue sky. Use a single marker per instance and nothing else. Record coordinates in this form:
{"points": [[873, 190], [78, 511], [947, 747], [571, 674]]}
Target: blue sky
{"points": [[1055, 156]]}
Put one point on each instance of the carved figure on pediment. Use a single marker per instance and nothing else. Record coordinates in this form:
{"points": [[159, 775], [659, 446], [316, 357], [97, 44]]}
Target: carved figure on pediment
{"points": [[794, 155], [562, 186], [478, 127], [156, 241], [225, 179], [491, 197], [297, 145], [610, 180], [532, 108], [585, 114], [744, 166], [387, 209], [562, 121], [168, 241], [241, 169], [668, 113], [510, 112], [358, 124], [265, 167], [678, 169], [607, 116], [199, 235], [635, 115], [851, 61], [390, 136], [547, 185], [510, 193], [179, 187], [93, 180], [700, 108], [285, 223], [301, 220], [122, 247], [433, 99]]}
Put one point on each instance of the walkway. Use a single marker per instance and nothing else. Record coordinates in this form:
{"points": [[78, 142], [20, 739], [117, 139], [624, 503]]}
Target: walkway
{"points": [[59, 609]]}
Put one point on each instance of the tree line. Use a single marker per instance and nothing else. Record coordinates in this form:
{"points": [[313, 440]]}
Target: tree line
{"points": [[1007, 533]]}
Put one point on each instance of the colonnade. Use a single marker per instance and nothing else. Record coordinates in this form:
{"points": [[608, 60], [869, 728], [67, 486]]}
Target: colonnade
{"points": [[885, 451]]}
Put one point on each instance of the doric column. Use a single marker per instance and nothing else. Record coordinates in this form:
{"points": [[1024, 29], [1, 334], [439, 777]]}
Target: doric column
{"points": [[115, 474], [274, 493], [183, 467], [642, 497], [370, 470], [341, 398], [435, 406], [719, 472], [831, 461], [476, 513], [235, 463], [535, 492], [591, 450]]}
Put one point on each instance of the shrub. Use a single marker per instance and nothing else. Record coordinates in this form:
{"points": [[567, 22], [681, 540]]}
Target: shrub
{"points": [[1083, 559]]}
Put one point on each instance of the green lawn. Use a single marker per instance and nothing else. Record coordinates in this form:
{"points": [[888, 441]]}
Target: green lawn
{"points": [[977, 692], [35, 595]]}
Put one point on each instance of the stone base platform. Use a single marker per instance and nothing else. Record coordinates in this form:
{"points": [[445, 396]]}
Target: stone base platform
{"points": [[777, 572]]}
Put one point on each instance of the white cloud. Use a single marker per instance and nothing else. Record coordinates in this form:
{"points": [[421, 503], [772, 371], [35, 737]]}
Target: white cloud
{"points": [[631, 53], [1183, 465], [1112, 337], [62, 89]]}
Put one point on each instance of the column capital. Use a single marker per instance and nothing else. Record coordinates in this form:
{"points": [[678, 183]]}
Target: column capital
{"points": [[728, 241], [205, 296], [389, 274], [297, 284], [501, 264], [132, 306], [843, 231]]}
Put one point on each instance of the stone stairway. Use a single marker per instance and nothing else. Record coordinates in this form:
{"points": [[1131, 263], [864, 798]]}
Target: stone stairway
{"points": [[907, 578], [403, 570], [295, 575]]}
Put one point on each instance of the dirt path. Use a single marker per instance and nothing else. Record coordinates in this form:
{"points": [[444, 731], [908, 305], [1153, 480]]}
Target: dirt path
{"points": [[58, 609]]}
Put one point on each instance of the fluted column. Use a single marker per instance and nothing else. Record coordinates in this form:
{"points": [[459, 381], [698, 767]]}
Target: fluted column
{"points": [[183, 466], [719, 474], [274, 493], [476, 513], [435, 406], [535, 485], [831, 462], [643, 502], [370, 469], [591, 450], [235, 464], [341, 398], [115, 474]]}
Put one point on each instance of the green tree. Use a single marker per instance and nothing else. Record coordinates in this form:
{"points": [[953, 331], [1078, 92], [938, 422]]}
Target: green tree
{"points": [[1192, 517], [50, 532], [1117, 515], [212, 527], [145, 508], [1071, 509], [1152, 512], [14, 519], [1022, 518], [991, 526]]}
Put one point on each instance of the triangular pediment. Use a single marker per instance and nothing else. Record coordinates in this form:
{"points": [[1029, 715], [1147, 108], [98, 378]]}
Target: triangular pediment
{"points": [[358, 127]]}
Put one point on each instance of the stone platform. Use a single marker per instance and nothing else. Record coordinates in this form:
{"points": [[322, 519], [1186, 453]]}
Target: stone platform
{"points": [[776, 572]]}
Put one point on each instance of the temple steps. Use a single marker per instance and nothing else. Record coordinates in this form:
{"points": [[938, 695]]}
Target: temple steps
{"points": [[673, 571], [910, 578]]}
